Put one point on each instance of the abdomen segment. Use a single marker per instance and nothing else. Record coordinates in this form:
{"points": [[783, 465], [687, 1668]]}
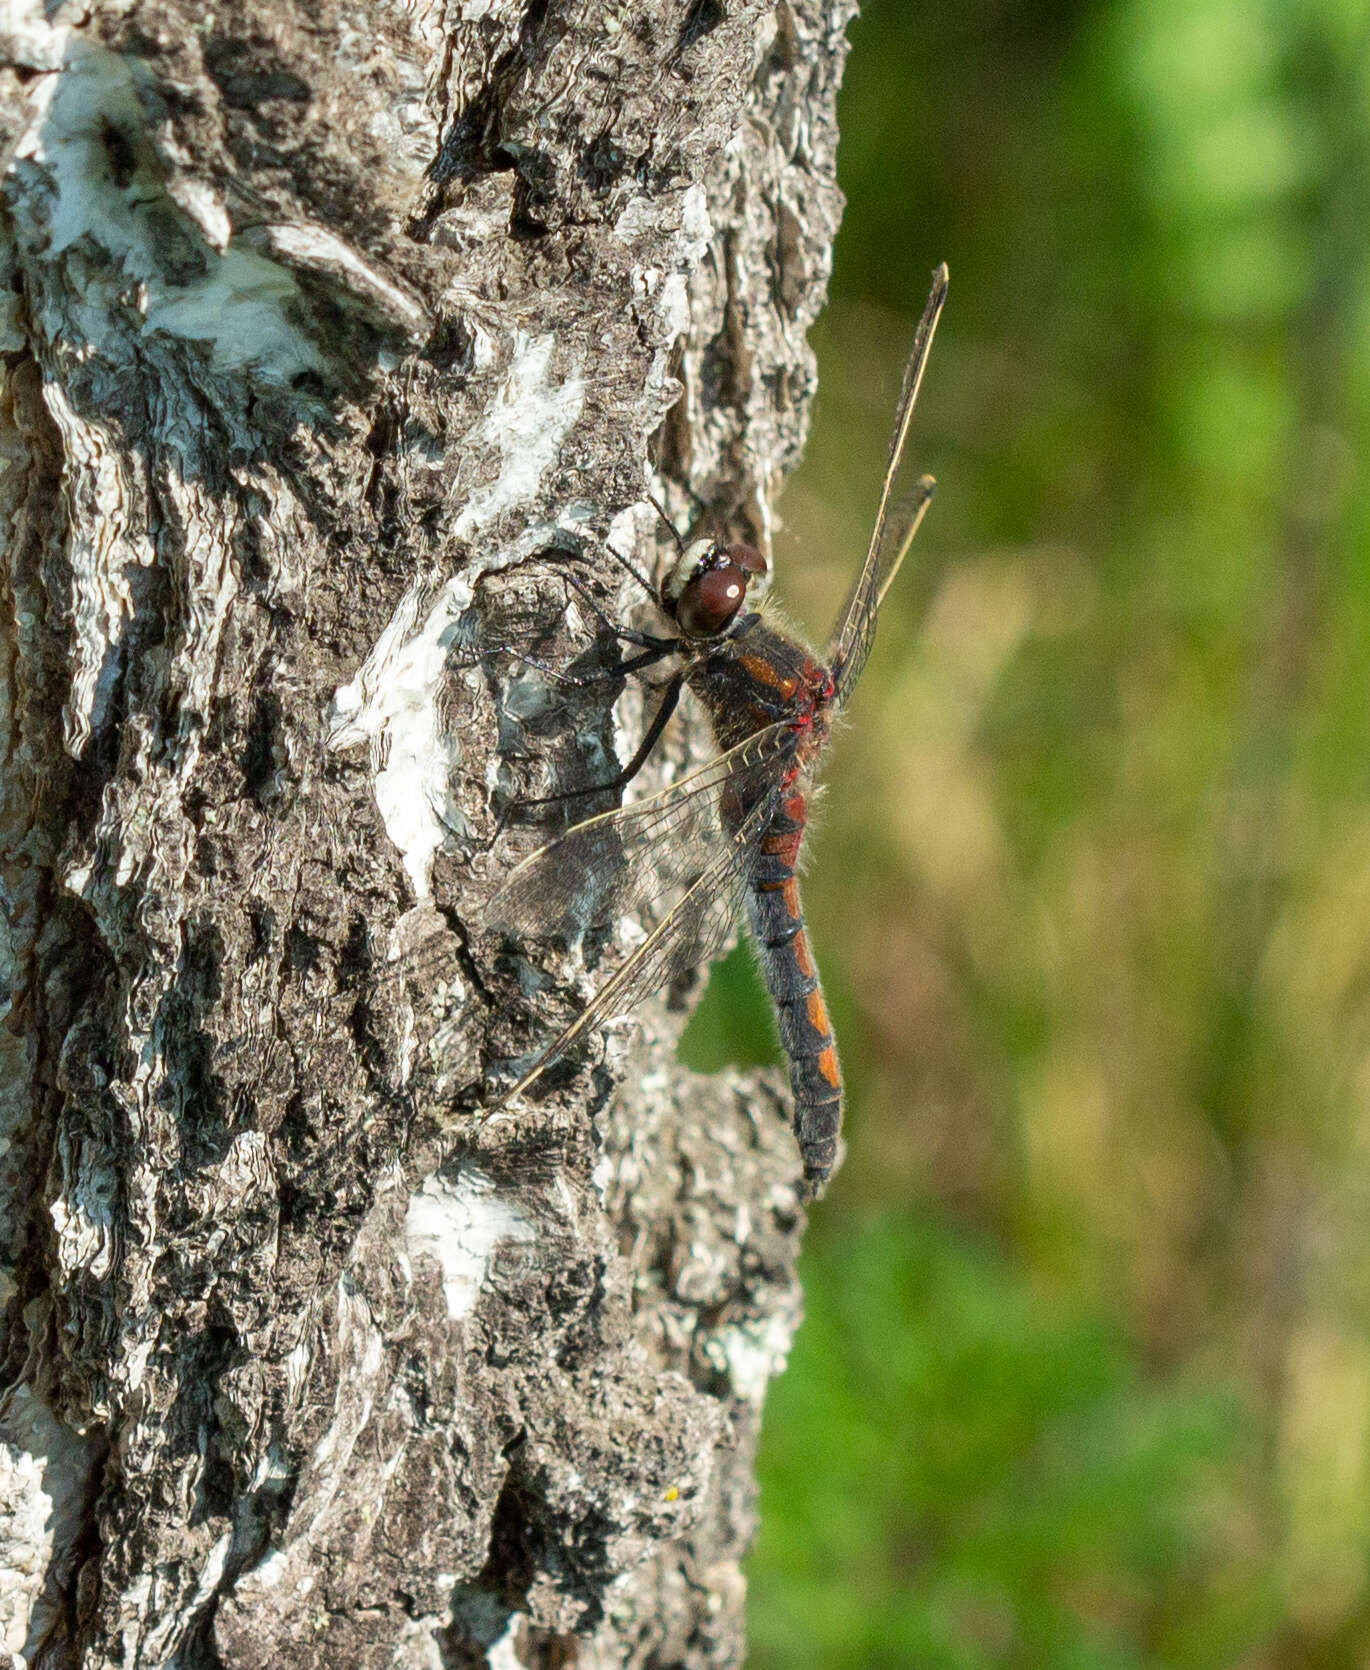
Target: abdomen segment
{"points": [[805, 1032]]}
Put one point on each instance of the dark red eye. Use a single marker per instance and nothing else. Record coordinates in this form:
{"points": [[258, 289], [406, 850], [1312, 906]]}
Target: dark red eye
{"points": [[747, 558], [711, 600]]}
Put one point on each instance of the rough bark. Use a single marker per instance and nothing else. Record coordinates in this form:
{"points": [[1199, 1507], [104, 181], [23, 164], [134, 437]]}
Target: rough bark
{"points": [[334, 333]]}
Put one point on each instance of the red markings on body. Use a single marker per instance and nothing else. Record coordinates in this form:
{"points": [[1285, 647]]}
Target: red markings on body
{"points": [[827, 1065], [784, 843], [782, 846], [800, 945], [818, 1014]]}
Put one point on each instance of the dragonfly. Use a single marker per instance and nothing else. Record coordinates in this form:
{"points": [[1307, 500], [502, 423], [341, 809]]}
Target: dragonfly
{"points": [[727, 837]]}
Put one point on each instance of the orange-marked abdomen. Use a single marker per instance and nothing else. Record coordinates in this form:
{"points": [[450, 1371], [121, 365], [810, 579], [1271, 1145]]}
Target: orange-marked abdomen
{"points": [[787, 964]]}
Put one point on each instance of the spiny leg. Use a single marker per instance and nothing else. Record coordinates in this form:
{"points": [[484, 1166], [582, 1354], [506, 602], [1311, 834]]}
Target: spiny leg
{"points": [[660, 720], [653, 649], [625, 635]]}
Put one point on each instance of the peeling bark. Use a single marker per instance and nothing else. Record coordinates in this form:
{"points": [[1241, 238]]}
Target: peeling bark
{"points": [[333, 336]]}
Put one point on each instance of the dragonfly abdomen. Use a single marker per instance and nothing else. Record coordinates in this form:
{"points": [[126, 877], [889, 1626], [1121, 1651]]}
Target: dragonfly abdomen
{"points": [[791, 977]]}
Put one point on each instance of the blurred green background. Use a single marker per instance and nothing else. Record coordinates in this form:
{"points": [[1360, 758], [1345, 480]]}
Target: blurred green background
{"points": [[1085, 1380]]}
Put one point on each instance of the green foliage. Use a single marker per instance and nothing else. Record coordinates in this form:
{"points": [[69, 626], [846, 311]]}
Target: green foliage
{"points": [[1086, 1379], [963, 1474]]}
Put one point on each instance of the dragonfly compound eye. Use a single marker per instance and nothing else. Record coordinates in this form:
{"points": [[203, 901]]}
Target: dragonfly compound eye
{"points": [[713, 594], [748, 559]]}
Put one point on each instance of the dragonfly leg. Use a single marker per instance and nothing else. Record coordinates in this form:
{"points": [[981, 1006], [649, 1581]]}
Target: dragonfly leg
{"points": [[649, 657], [659, 722], [654, 648], [581, 681], [644, 640], [670, 525], [547, 670], [636, 573]]}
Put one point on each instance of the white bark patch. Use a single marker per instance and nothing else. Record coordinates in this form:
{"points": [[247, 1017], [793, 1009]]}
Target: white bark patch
{"points": [[622, 536], [526, 423], [695, 222], [307, 245], [395, 705], [753, 1354], [473, 10], [44, 1484], [30, 39], [417, 1647], [205, 207], [460, 1224], [238, 302], [674, 303], [141, 255], [392, 705], [503, 1654]]}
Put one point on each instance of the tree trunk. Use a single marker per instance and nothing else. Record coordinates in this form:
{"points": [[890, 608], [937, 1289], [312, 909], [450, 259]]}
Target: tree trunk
{"points": [[336, 337]]}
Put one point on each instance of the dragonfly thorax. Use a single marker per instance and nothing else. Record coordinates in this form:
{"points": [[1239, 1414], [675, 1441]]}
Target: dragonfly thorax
{"points": [[706, 589]]}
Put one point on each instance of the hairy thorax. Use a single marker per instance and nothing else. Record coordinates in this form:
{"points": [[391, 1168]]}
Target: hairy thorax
{"points": [[759, 680]]}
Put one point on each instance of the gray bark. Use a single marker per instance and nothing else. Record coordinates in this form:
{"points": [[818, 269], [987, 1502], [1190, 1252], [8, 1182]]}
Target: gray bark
{"points": [[331, 333]]}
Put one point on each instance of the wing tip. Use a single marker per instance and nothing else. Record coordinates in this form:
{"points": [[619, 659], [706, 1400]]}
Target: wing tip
{"points": [[937, 295]]}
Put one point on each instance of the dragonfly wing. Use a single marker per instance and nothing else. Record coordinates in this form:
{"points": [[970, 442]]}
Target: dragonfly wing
{"points": [[693, 931], [896, 519], [644, 855], [686, 852], [851, 647]]}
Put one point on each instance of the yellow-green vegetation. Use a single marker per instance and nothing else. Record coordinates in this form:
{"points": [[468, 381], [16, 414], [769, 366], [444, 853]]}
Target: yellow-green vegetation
{"points": [[1086, 1375]]}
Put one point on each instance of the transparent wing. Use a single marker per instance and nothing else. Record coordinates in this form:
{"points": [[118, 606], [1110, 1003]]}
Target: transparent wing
{"points": [[851, 649], [688, 851], [692, 932], [896, 519], [645, 854]]}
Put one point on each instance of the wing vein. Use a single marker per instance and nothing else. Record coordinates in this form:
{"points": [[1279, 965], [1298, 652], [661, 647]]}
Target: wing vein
{"points": [[692, 931]]}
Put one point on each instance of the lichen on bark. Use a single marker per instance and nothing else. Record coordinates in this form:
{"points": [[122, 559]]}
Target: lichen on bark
{"points": [[328, 331]]}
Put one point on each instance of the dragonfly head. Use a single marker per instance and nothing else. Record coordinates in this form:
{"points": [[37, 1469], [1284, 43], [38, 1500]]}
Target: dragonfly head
{"points": [[705, 591]]}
